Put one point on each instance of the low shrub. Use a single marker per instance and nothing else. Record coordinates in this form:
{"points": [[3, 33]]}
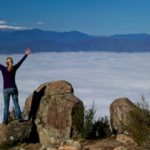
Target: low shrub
{"points": [[93, 128], [101, 128], [89, 120]]}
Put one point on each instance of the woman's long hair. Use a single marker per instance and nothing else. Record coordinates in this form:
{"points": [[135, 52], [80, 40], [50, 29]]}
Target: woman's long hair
{"points": [[9, 65]]}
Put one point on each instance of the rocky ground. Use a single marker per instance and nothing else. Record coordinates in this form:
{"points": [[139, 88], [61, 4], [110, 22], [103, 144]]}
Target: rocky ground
{"points": [[110, 144], [99, 144]]}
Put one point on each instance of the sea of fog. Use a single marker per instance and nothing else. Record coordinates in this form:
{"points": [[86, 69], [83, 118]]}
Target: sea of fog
{"points": [[97, 77]]}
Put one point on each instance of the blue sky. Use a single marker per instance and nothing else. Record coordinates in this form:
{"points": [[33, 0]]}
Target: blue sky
{"points": [[99, 17]]}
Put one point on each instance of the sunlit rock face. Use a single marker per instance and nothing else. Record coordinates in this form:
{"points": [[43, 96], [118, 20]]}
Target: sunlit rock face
{"points": [[57, 113]]}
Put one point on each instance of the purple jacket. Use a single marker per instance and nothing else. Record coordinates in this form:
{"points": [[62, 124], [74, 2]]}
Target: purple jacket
{"points": [[9, 77]]}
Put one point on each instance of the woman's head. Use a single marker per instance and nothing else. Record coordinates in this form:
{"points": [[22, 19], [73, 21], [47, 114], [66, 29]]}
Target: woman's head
{"points": [[9, 63]]}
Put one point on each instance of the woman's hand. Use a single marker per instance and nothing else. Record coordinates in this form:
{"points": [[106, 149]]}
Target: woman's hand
{"points": [[27, 51]]}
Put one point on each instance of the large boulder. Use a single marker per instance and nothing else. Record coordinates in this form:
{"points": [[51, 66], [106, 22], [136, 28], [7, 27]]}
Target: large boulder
{"points": [[57, 113], [119, 114]]}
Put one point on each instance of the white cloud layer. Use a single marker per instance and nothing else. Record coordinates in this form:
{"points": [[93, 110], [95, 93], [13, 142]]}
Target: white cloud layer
{"points": [[98, 77], [3, 26]]}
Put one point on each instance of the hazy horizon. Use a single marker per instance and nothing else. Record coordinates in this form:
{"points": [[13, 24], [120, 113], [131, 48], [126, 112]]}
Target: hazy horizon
{"points": [[96, 76]]}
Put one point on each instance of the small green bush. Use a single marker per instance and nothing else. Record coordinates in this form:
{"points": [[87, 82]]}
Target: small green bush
{"points": [[95, 128], [101, 128], [89, 119]]}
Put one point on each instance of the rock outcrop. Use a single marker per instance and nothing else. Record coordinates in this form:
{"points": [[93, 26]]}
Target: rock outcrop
{"points": [[14, 132], [56, 113], [119, 114], [56, 116]]}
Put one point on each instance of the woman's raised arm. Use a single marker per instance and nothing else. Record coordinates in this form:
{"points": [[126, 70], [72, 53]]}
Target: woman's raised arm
{"points": [[26, 52]]}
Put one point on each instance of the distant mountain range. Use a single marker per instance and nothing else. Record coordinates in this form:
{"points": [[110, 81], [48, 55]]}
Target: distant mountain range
{"points": [[14, 41]]}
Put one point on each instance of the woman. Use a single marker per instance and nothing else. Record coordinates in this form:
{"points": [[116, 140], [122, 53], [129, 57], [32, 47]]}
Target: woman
{"points": [[10, 87]]}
